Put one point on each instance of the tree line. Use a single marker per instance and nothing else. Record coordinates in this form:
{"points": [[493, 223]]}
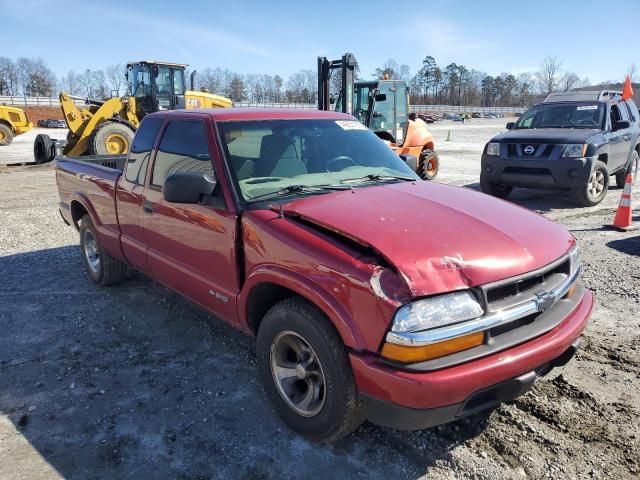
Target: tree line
{"points": [[453, 84]]}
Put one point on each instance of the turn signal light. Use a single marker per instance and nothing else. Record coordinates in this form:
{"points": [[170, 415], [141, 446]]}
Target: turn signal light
{"points": [[414, 354]]}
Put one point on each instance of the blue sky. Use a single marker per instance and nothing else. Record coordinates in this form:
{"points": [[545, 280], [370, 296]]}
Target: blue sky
{"points": [[597, 40]]}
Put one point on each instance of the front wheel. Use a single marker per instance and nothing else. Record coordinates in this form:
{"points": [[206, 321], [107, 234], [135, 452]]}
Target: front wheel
{"points": [[596, 187], [632, 169], [6, 135], [429, 165], [494, 189], [306, 372], [111, 138]]}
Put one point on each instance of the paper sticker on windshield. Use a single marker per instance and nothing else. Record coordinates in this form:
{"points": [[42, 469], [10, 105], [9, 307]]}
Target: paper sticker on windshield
{"points": [[588, 107], [350, 125]]}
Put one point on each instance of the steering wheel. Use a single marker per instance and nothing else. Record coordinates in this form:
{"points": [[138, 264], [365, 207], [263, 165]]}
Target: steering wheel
{"points": [[344, 159], [259, 180]]}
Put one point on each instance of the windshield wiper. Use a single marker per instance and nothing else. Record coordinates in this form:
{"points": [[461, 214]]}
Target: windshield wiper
{"points": [[375, 177], [294, 189]]}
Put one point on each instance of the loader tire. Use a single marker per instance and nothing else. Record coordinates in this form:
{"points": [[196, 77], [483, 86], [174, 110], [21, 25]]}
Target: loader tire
{"points": [[6, 135], [111, 138], [43, 150], [428, 165]]}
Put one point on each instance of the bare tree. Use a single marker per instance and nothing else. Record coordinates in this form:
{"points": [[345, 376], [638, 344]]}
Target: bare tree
{"points": [[548, 76], [8, 77], [569, 81], [632, 72], [70, 83], [115, 77]]}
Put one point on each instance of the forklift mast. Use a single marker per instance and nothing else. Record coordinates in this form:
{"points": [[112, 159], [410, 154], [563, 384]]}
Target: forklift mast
{"points": [[347, 65]]}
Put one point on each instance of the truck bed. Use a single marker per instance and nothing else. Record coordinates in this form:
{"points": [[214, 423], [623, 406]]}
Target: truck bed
{"points": [[89, 183]]}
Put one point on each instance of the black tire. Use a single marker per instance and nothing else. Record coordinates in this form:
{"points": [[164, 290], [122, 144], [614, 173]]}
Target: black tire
{"points": [[631, 169], [341, 411], [103, 269], [429, 165], [594, 191], [6, 135], [494, 189], [43, 150], [99, 145]]}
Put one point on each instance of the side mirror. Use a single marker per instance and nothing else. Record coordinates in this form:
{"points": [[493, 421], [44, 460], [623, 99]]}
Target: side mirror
{"points": [[510, 125], [380, 97], [410, 160], [621, 125], [188, 187]]}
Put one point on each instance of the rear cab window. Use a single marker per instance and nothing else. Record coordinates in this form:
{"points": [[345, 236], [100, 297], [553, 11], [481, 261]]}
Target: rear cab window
{"points": [[183, 148], [136, 168]]}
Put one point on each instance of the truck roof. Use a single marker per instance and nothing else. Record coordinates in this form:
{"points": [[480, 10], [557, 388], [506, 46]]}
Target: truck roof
{"points": [[227, 114], [582, 96]]}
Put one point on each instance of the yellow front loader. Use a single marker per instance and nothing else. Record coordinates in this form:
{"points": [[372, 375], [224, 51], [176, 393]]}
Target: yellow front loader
{"points": [[13, 121], [107, 127]]}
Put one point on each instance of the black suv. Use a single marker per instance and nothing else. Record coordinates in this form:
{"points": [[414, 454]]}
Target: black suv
{"points": [[572, 140]]}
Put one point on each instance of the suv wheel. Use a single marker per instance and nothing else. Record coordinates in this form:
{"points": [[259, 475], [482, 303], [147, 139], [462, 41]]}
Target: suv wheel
{"points": [[632, 169], [494, 189], [596, 187], [306, 372]]}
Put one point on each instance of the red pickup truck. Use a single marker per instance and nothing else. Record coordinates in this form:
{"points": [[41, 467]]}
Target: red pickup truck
{"points": [[372, 294]]}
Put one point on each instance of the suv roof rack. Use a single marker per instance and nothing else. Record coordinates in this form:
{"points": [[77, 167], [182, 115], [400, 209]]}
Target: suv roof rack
{"points": [[583, 96]]}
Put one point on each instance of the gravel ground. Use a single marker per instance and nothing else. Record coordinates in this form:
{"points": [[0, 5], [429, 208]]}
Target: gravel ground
{"points": [[133, 381]]}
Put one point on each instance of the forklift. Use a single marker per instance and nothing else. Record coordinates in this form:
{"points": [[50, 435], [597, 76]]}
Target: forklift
{"points": [[383, 107], [107, 127]]}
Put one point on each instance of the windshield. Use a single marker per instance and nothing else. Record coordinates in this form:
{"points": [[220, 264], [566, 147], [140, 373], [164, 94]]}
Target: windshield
{"points": [[140, 78], [562, 115], [275, 155]]}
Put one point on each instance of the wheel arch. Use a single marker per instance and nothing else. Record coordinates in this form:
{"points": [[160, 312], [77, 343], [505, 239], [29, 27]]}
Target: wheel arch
{"points": [[269, 285], [8, 124]]}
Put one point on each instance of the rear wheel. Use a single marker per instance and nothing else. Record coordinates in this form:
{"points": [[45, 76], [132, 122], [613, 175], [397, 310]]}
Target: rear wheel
{"points": [[111, 138], [596, 187], [6, 135], [428, 165], [631, 169], [494, 189], [306, 373], [100, 265], [43, 150]]}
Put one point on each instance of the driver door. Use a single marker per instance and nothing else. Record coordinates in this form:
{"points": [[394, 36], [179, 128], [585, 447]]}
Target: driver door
{"points": [[191, 247]]}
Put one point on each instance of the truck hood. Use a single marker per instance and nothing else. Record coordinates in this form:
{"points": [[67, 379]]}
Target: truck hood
{"points": [[439, 238], [547, 135]]}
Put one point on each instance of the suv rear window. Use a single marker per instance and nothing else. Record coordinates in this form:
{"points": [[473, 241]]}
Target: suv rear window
{"points": [[563, 115]]}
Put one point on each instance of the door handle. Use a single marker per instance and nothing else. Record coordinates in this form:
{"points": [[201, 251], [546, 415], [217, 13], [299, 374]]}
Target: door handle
{"points": [[147, 207]]}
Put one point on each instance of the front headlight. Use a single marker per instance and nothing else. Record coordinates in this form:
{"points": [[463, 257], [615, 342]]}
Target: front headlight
{"points": [[436, 312], [493, 148], [574, 150]]}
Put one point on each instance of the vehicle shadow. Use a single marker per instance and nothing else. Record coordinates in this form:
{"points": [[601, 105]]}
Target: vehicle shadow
{"points": [[542, 201], [132, 381], [630, 246]]}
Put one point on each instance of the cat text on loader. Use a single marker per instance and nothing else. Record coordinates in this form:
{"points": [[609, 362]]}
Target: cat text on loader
{"points": [[106, 127], [383, 106]]}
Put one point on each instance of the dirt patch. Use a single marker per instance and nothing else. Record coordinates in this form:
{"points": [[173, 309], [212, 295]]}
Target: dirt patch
{"points": [[43, 113]]}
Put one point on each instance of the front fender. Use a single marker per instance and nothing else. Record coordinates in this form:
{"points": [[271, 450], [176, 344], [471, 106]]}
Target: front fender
{"points": [[313, 292], [418, 135]]}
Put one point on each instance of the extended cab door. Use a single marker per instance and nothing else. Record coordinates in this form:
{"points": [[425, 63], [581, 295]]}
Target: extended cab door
{"points": [[191, 247], [130, 194]]}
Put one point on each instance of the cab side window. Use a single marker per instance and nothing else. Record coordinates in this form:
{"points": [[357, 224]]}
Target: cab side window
{"points": [[138, 160], [183, 148]]}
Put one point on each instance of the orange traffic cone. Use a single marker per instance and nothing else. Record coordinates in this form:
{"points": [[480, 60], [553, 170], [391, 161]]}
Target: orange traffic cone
{"points": [[623, 215]]}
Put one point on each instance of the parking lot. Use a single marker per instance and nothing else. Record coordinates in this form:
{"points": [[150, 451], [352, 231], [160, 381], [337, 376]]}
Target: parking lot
{"points": [[134, 381]]}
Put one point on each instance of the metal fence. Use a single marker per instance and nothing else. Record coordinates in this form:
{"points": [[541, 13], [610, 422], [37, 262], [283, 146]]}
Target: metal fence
{"points": [[54, 102]]}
